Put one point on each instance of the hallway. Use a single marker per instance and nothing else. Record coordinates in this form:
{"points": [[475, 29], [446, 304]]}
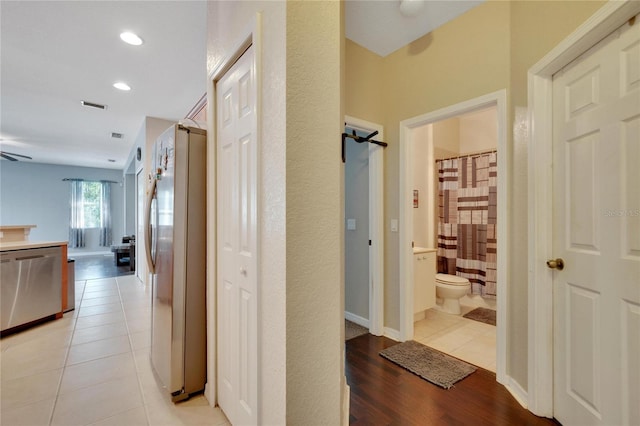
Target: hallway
{"points": [[383, 393], [92, 366]]}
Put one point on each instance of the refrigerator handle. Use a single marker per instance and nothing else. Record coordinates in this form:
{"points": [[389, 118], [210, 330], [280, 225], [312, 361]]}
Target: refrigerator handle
{"points": [[147, 228]]}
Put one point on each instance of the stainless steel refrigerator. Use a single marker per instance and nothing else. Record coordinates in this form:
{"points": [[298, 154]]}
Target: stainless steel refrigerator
{"points": [[176, 256]]}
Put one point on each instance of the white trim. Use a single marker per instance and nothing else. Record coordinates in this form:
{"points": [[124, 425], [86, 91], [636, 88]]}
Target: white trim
{"points": [[540, 193], [252, 36], [356, 318], [517, 391], [392, 333], [499, 99], [376, 221]]}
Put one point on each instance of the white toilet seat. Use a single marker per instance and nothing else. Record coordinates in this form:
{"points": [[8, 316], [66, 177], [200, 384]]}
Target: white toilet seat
{"points": [[453, 280]]}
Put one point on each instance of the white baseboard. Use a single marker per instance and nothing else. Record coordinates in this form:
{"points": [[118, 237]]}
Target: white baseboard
{"points": [[517, 391], [88, 253], [346, 398], [392, 334], [356, 318]]}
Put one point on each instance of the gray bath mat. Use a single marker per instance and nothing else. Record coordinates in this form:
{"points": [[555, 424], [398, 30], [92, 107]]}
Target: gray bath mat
{"points": [[351, 330], [430, 364], [487, 316]]}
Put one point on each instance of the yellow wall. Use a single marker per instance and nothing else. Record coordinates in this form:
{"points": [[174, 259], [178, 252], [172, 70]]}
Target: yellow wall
{"points": [[363, 83], [314, 198], [487, 49]]}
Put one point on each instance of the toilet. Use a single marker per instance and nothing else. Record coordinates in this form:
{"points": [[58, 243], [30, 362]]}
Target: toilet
{"points": [[450, 288]]}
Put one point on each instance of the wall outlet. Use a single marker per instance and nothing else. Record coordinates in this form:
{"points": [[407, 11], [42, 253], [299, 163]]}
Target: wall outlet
{"points": [[351, 224]]}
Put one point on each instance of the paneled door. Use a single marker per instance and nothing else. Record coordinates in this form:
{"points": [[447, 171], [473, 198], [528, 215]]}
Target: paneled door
{"points": [[237, 279], [596, 227]]}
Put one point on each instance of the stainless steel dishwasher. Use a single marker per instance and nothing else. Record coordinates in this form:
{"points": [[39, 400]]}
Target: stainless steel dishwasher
{"points": [[31, 282]]}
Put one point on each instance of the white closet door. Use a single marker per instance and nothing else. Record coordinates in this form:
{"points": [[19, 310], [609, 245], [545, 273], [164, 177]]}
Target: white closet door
{"points": [[237, 241], [596, 227]]}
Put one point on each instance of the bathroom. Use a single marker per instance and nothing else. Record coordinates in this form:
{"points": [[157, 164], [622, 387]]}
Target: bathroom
{"points": [[454, 235]]}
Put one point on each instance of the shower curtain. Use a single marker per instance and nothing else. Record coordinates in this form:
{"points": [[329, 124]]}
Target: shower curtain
{"points": [[467, 213]]}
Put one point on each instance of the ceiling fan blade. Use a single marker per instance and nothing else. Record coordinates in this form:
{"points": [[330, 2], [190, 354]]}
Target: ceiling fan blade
{"points": [[5, 153], [7, 157]]}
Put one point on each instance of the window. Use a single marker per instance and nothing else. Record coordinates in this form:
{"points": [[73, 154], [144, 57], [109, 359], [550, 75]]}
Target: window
{"points": [[90, 204]]}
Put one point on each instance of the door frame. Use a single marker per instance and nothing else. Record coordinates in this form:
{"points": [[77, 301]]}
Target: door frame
{"points": [[499, 100], [540, 194], [376, 224], [251, 36]]}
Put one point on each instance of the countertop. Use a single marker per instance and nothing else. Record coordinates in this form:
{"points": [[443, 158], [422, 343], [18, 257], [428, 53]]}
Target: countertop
{"points": [[23, 245], [420, 250]]}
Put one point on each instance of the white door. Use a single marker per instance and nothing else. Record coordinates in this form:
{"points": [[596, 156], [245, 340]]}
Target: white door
{"points": [[596, 227], [237, 242]]}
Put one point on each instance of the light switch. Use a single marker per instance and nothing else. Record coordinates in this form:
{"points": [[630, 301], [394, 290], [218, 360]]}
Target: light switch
{"points": [[351, 224], [394, 225]]}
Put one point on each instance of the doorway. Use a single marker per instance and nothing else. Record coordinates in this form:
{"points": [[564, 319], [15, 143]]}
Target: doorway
{"points": [[364, 237], [408, 130], [237, 253]]}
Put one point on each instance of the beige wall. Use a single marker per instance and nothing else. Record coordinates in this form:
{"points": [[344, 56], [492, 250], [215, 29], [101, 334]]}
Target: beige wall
{"points": [[479, 131], [363, 83], [487, 49], [421, 137], [315, 203], [446, 137], [300, 203], [537, 27]]}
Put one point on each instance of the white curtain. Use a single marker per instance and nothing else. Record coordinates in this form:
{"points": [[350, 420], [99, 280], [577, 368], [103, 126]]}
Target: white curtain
{"points": [[105, 215], [76, 222]]}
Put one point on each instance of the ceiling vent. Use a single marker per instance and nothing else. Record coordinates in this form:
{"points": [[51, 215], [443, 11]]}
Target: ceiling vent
{"points": [[93, 105], [117, 135]]}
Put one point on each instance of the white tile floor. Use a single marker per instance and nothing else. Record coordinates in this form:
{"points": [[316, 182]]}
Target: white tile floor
{"points": [[466, 339], [92, 367]]}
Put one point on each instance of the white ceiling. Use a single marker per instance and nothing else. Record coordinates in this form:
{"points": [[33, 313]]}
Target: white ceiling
{"points": [[55, 54], [379, 25]]}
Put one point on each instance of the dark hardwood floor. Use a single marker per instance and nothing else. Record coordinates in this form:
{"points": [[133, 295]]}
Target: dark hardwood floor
{"points": [[98, 266], [383, 393]]}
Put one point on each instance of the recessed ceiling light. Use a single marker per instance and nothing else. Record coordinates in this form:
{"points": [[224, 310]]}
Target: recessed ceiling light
{"points": [[121, 86], [131, 38]]}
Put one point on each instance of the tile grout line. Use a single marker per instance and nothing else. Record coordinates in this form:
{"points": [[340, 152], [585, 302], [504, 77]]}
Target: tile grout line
{"points": [[135, 362], [66, 357]]}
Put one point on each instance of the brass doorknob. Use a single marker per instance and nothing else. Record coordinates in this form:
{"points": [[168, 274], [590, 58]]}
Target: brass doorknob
{"points": [[556, 264]]}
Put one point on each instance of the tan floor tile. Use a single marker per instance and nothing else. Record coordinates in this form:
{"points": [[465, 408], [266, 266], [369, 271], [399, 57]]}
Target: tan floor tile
{"points": [[140, 325], [39, 340], [196, 411], [91, 334], [38, 413], [100, 319], [94, 294], [100, 301], [22, 363], [99, 402], [30, 389], [98, 349], [469, 340], [100, 309], [133, 417], [97, 371], [140, 339]]}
